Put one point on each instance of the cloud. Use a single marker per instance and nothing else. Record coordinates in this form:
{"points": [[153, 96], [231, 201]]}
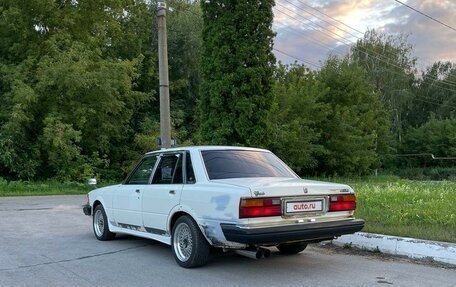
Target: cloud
{"points": [[301, 34], [432, 41]]}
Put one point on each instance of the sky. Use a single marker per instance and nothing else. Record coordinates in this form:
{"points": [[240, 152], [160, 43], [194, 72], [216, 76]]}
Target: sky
{"points": [[312, 38]]}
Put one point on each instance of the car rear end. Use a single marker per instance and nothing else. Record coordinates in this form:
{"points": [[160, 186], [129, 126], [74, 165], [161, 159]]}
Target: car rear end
{"points": [[299, 218], [282, 207]]}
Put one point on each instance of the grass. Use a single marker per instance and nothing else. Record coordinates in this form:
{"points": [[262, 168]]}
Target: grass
{"points": [[418, 209], [26, 188], [389, 205]]}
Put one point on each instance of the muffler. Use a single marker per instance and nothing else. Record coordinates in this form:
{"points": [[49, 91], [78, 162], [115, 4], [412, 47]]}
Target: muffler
{"points": [[254, 253], [266, 252]]}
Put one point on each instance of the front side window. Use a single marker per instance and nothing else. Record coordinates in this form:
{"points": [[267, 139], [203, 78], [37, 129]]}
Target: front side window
{"points": [[142, 173], [169, 170], [221, 164]]}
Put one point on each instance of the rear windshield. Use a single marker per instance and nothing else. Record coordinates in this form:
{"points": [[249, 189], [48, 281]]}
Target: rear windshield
{"points": [[222, 164]]}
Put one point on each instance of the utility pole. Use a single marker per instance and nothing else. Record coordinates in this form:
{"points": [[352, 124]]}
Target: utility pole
{"points": [[165, 118]]}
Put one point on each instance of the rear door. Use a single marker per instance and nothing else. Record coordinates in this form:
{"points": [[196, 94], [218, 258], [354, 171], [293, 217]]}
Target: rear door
{"points": [[164, 192], [127, 199]]}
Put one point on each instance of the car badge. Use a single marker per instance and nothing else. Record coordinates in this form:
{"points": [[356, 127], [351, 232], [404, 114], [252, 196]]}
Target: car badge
{"points": [[256, 192], [305, 190]]}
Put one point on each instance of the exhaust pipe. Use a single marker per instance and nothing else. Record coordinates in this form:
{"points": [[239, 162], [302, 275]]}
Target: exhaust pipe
{"points": [[250, 253], [266, 252]]}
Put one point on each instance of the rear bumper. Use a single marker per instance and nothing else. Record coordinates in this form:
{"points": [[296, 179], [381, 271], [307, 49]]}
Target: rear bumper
{"points": [[311, 232], [87, 209]]}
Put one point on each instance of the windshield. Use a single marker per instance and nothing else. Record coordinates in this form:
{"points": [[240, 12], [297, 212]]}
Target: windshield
{"points": [[221, 164]]}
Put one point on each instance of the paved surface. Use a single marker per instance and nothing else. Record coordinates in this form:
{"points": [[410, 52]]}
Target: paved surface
{"points": [[47, 241]]}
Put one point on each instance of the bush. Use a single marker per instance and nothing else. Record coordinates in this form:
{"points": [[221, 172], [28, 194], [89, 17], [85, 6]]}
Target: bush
{"points": [[435, 173]]}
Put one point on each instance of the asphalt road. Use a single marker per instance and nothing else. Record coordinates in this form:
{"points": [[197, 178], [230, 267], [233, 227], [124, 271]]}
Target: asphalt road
{"points": [[47, 241]]}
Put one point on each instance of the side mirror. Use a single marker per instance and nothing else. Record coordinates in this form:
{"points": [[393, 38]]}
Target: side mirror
{"points": [[92, 181]]}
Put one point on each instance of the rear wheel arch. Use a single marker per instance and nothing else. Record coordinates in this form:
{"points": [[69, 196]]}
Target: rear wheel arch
{"points": [[181, 213], [174, 218]]}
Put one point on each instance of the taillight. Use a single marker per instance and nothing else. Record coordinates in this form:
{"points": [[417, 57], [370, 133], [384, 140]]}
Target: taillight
{"points": [[342, 202], [259, 207], [87, 200]]}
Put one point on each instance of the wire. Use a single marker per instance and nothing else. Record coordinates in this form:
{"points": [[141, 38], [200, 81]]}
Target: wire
{"points": [[367, 52], [327, 22], [424, 14], [329, 16], [331, 49], [348, 45], [428, 154], [298, 59], [320, 43], [332, 18], [421, 99], [318, 25], [299, 31]]}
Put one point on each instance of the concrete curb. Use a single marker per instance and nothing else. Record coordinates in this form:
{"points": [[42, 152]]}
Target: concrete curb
{"points": [[413, 248]]}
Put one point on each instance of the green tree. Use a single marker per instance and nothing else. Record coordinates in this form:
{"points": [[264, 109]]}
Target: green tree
{"points": [[63, 84], [237, 68], [434, 95], [297, 114], [80, 78], [390, 66], [437, 137], [357, 123]]}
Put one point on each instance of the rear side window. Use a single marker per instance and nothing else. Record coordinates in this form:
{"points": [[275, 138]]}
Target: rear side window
{"points": [[221, 164], [189, 169], [169, 170], [142, 173]]}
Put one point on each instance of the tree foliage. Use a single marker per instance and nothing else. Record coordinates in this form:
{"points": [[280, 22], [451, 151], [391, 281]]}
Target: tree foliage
{"points": [[79, 85], [297, 115], [434, 95], [237, 68], [437, 137], [390, 66], [357, 123], [78, 82]]}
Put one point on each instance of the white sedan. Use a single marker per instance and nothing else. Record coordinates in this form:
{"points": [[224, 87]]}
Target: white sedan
{"points": [[234, 198]]}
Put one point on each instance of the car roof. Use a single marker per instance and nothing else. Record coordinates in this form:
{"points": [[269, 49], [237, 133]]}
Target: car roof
{"points": [[208, 147]]}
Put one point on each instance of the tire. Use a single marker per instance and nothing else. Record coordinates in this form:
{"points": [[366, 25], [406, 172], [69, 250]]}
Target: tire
{"points": [[100, 224], [190, 247], [291, 248]]}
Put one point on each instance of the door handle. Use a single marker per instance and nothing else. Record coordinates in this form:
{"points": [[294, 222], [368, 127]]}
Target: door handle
{"points": [[137, 191], [172, 192]]}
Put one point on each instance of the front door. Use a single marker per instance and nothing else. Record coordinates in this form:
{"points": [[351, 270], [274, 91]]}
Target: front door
{"points": [[163, 194], [127, 200]]}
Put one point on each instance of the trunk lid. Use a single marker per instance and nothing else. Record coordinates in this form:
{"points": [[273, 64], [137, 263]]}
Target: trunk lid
{"points": [[279, 187]]}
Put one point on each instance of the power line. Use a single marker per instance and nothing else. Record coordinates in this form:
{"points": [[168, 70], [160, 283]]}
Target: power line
{"points": [[430, 102], [332, 18], [298, 59], [426, 15], [320, 44], [437, 84], [282, 52], [329, 16], [327, 35], [318, 17], [428, 154], [338, 21], [422, 99], [318, 25], [366, 51], [299, 31]]}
